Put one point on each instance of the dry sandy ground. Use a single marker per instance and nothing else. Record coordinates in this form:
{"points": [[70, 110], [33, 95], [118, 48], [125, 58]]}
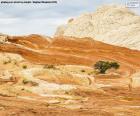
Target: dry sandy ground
{"points": [[115, 102]]}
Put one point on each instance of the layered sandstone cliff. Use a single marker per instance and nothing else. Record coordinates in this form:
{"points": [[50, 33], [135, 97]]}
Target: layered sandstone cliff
{"points": [[73, 51]]}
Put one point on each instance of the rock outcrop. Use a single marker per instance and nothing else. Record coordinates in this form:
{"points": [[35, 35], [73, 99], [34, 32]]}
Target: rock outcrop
{"points": [[76, 51], [3, 38], [111, 24], [33, 41]]}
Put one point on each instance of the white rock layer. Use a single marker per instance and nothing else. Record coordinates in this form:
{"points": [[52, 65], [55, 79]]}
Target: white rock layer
{"points": [[111, 24]]}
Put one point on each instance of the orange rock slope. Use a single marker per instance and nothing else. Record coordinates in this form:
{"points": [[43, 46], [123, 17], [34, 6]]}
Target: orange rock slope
{"points": [[70, 50], [32, 41]]}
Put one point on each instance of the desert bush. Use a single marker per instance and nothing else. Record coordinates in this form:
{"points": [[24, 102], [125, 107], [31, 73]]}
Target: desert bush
{"points": [[26, 81], [83, 70], [24, 66], [49, 66], [7, 61], [103, 66], [15, 62], [114, 65]]}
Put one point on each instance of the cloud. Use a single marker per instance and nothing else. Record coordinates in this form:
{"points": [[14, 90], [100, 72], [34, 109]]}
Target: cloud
{"points": [[8, 21], [26, 26]]}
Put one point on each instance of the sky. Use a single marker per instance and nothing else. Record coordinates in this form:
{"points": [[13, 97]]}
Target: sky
{"points": [[24, 19]]}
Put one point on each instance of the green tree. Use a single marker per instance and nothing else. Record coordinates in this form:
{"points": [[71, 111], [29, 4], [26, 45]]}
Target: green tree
{"points": [[103, 66], [114, 65]]}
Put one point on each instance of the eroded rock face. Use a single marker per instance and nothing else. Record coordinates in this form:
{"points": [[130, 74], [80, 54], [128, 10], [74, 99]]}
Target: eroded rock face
{"points": [[32, 41], [135, 80], [3, 38], [76, 51], [112, 24]]}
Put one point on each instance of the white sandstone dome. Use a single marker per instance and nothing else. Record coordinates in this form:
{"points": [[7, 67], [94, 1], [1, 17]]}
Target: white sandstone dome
{"points": [[111, 24]]}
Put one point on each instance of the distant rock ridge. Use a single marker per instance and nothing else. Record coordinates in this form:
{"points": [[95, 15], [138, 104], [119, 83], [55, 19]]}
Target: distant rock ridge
{"points": [[34, 41], [112, 24]]}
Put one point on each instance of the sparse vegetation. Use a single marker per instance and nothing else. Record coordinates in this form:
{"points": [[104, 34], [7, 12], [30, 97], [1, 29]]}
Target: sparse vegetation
{"points": [[49, 66], [114, 65], [26, 81], [92, 73], [103, 66], [7, 61], [83, 71], [15, 62], [24, 67]]}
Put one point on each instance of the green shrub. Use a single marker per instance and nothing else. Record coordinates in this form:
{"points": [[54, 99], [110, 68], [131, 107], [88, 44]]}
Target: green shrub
{"points": [[26, 81], [83, 70], [49, 66], [103, 66], [24, 66], [114, 65], [7, 62]]}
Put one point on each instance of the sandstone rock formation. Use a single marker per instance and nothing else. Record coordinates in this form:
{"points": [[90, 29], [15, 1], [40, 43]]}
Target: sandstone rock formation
{"points": [[135, 80], [31, 41], [111, 24], [76, 51], [70, 81]]}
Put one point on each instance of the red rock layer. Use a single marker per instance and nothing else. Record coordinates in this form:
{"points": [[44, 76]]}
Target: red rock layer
{"points": [[32, 41], [69, 50]]}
